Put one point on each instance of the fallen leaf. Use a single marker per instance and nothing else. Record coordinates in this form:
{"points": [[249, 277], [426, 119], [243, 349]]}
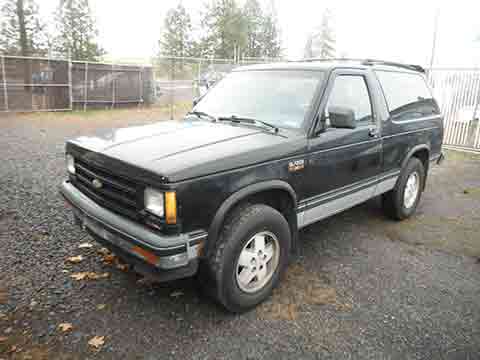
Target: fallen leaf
{"points": [[3, 296], [101, 306], [145, 281], [109, 259], [344, 307], [103, 251], [123, 267], [64, 327], [75, 259], [97, 341], [85, 245], [3, 339], [79, 276], [89, 275], [176, 294], [95, 276]]}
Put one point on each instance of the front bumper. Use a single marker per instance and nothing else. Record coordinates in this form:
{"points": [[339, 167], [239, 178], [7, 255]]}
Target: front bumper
{"points": [[165, 257]]}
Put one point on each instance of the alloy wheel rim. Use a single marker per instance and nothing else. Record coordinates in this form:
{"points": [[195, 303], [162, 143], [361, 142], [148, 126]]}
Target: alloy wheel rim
{"points": [[257, 261], [411, 190]]}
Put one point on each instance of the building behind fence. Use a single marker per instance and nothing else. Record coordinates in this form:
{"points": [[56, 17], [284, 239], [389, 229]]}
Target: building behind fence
{"points": [[42, 84]]}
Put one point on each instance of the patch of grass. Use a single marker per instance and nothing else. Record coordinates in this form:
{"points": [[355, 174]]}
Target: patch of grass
{"points": [[457, 155], [298, 288]]}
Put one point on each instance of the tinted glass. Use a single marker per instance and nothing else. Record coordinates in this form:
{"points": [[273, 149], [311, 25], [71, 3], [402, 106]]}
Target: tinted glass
{"points": [[407, 95], [351, 92], [278, 97]]}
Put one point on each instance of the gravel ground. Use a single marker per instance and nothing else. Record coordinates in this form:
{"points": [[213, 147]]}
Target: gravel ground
{"points": [[363, 287]]}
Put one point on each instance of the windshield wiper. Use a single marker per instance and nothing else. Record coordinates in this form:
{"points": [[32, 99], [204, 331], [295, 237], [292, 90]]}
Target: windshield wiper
{"points": [[201, 114], [248, 120]]}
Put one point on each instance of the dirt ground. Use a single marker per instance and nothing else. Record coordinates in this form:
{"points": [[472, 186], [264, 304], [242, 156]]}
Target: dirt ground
{"points": [[362, 287]]}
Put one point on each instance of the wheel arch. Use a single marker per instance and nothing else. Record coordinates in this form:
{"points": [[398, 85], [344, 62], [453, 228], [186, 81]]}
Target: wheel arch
{"points": [[421, 152], [258, 193]]}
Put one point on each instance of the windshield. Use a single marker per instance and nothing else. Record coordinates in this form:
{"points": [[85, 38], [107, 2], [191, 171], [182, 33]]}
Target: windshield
{"points": [[281, 98]]}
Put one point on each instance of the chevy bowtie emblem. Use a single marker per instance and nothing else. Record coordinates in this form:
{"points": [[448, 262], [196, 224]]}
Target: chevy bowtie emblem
{"points": [[97, 184]]}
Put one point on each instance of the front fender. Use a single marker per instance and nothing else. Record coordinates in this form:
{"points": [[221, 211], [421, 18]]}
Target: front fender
{"points": [[237, 197]]}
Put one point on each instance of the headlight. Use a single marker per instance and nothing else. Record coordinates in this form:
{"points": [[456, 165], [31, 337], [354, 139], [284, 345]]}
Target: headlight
{"points": [[154, 202], [70, 164]]}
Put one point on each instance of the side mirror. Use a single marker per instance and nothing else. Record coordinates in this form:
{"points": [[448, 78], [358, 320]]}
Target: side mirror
{"points": [[342, 117]]}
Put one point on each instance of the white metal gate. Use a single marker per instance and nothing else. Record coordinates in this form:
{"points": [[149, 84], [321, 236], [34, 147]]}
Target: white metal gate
{"points": [[458, 93]]}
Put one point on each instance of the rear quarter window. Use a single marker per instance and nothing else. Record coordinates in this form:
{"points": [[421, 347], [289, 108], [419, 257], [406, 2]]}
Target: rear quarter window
{"points": [[408, 96]]}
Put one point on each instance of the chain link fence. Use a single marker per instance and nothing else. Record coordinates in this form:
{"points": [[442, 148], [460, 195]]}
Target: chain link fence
{"points": [[43, 84], [47, 84], [179, 80]]}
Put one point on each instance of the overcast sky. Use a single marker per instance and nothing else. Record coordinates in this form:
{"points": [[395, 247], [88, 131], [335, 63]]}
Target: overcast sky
{"points": [[392, 30]]}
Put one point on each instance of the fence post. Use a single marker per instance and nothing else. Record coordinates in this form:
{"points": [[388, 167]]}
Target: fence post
{"points": [[172, 77], [85, 88], [113, 86], [140, 84], [5, 92], [70, 88]]}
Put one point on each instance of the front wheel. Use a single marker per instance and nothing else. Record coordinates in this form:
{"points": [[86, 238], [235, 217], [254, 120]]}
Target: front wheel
{"points": [[250, 256], [401, 202]]}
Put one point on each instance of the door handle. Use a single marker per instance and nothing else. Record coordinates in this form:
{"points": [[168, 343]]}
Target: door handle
{"points": [[373, 132]]}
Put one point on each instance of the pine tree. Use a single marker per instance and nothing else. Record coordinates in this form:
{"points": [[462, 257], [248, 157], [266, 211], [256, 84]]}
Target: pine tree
{"points": [[271, 44], [224, 27], [254, 21], [176, 38], [77, 31], [321, 43], [176, 41], [22, 31]]}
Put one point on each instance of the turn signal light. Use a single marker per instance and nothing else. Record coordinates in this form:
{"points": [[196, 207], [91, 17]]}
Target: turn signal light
{"points": [[170, 207]]}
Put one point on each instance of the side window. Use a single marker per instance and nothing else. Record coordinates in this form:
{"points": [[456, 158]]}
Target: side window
{"points": [[407, 95], [351, 91]]}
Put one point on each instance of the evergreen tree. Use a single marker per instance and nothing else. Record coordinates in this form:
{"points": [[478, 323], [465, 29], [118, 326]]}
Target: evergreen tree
{"points": [[176, 41], [22, 31], [254, 22], [77, 31], [321, 43], [271, 38], [224, 28], [176, 38]]}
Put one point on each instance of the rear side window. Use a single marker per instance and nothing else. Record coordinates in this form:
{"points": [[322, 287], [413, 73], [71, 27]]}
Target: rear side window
{"points": [[350, 91], [407, 95]]}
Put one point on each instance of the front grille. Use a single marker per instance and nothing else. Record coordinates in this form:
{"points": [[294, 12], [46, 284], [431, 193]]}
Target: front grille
{"points": [[116, 193]]}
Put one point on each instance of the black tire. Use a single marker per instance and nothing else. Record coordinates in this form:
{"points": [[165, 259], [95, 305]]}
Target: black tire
{"points": [[240, 226], [393, 201]]}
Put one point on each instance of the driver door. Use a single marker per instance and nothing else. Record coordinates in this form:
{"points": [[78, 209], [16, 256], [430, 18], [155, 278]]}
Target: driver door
{"points": [[343, 164]]}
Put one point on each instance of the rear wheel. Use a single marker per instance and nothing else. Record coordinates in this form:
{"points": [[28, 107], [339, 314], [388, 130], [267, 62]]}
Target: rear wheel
{"points": [[250, 256], [401, 202]]}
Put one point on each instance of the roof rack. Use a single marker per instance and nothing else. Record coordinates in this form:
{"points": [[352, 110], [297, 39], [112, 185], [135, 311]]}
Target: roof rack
{"points": [[370, 62], [390, 63]]}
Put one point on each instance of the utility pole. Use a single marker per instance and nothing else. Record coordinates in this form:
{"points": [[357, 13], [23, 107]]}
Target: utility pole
{"points": [[434, 40]]}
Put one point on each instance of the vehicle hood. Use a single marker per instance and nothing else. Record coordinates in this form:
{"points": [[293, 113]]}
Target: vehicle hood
{"points": [[179, 150]]}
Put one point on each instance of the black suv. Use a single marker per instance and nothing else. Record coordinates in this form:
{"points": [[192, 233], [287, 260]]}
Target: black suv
{"points": [[268, 150]]}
